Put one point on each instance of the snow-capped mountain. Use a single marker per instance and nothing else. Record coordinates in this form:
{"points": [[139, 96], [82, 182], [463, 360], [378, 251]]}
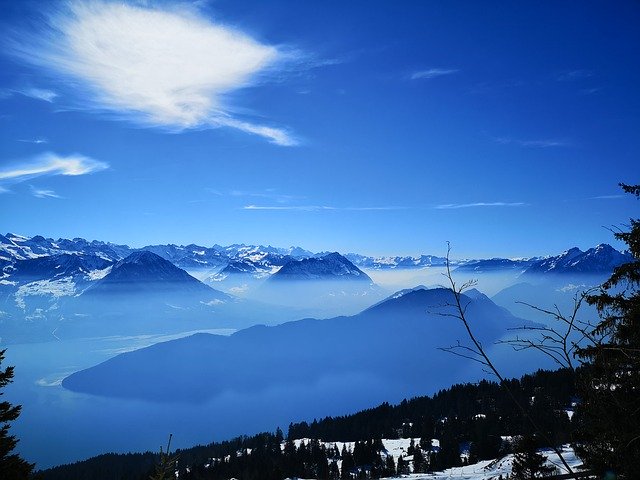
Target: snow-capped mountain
{"points": [[17, 247], [54, 267], [382, 263], [599, 260], [144, 271], [332, 266], [496, 265], [259, 261], [190, 256]]}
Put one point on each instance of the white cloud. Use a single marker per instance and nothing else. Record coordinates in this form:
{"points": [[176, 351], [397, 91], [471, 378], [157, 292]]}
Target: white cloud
{"points": [[51, 164], [543, 143], [479, 204], [300, 208], [37, 141], [574, 75], [317, 208], [41, 193], [432, 73], [39, 94], [160, 67], [269, 194], [607, 197], [31, 92]]}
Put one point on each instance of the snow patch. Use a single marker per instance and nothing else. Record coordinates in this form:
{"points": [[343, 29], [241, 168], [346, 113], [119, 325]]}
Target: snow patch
{"points": [[63, 287], [99, 274]]}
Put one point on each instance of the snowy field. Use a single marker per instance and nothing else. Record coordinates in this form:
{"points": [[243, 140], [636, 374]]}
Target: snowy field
{"points": [[484, 470]]}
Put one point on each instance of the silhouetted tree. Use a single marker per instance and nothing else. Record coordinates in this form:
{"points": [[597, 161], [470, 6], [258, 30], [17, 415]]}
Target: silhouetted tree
{"points": [[403, 466], [610, 410], [12, 467], [389, 466], [527, 462]]}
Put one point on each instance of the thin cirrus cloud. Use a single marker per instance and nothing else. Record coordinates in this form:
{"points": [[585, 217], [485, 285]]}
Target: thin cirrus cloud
{"points": [[43, 193], [36, 93], [607, 197], [449, 206], [39, 94], [574, 75], [164, 67], [268, 194], [36, 141], [49, 164], [540, 143], [318, 208], [432, 73]]}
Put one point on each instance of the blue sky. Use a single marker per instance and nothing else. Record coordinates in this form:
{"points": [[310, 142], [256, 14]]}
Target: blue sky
{"points": [[375, 127]]}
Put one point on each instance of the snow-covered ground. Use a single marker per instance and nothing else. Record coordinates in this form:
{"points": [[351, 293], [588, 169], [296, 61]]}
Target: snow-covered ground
{"points": [[484, 470], [492, 469]]}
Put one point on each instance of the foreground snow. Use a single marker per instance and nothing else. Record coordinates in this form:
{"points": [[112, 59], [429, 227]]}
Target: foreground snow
{"points": [[492, 469], [484, 470]]}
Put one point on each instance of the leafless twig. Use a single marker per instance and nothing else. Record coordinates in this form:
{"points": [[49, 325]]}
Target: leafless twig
{"points": [[477, 353]]}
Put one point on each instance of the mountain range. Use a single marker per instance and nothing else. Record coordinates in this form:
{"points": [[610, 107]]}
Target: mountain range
{"points": [[266, 260], [73, 286]]}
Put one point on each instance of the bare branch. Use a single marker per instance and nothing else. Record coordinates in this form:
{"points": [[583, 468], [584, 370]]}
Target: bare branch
{"points": [[477, 353]]}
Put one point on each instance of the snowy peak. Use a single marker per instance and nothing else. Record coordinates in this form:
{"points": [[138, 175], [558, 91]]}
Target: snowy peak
{"points": [[148, 272], [494, 265], [145, 266], [331, 266], [17, 247], [55, 266], [393, 262], [601, 259]]}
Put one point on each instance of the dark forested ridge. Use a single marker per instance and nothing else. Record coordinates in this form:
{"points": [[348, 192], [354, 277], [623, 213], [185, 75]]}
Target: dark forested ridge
{"points": [[473, 418]]}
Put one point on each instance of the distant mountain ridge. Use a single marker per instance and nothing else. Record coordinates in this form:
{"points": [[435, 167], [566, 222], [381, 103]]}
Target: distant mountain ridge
{"points": [[148, 271], [409, 328], [330, 266], [396, 262], [261, 261], [601, 259]]}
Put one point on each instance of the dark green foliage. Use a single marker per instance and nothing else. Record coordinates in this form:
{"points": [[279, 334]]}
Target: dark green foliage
{"points": [[610, 411], [476, 414], [167, 464], [527, 462], [130, 466], [12, 467]]}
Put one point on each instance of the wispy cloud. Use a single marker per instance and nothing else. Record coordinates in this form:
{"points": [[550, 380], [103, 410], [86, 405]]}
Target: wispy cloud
{"points": [[432, 73], [449, 206], [269, 194], [37, 141], [39, 94], [590, 91], [31, 92], [574, 75], [50, 164], [607, 197], [539, 143], [41, 193], [162, 66], [318, 208]]}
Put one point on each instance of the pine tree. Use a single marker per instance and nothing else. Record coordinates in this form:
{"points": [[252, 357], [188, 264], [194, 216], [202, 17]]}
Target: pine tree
{"points": [[403, 466], [527, 462], [12, 467], [419, 462], [610, 410], [389, 466]]}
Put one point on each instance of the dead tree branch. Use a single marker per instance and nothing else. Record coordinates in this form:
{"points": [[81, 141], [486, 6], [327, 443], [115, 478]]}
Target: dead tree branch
{"points": [[479, 355]]}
